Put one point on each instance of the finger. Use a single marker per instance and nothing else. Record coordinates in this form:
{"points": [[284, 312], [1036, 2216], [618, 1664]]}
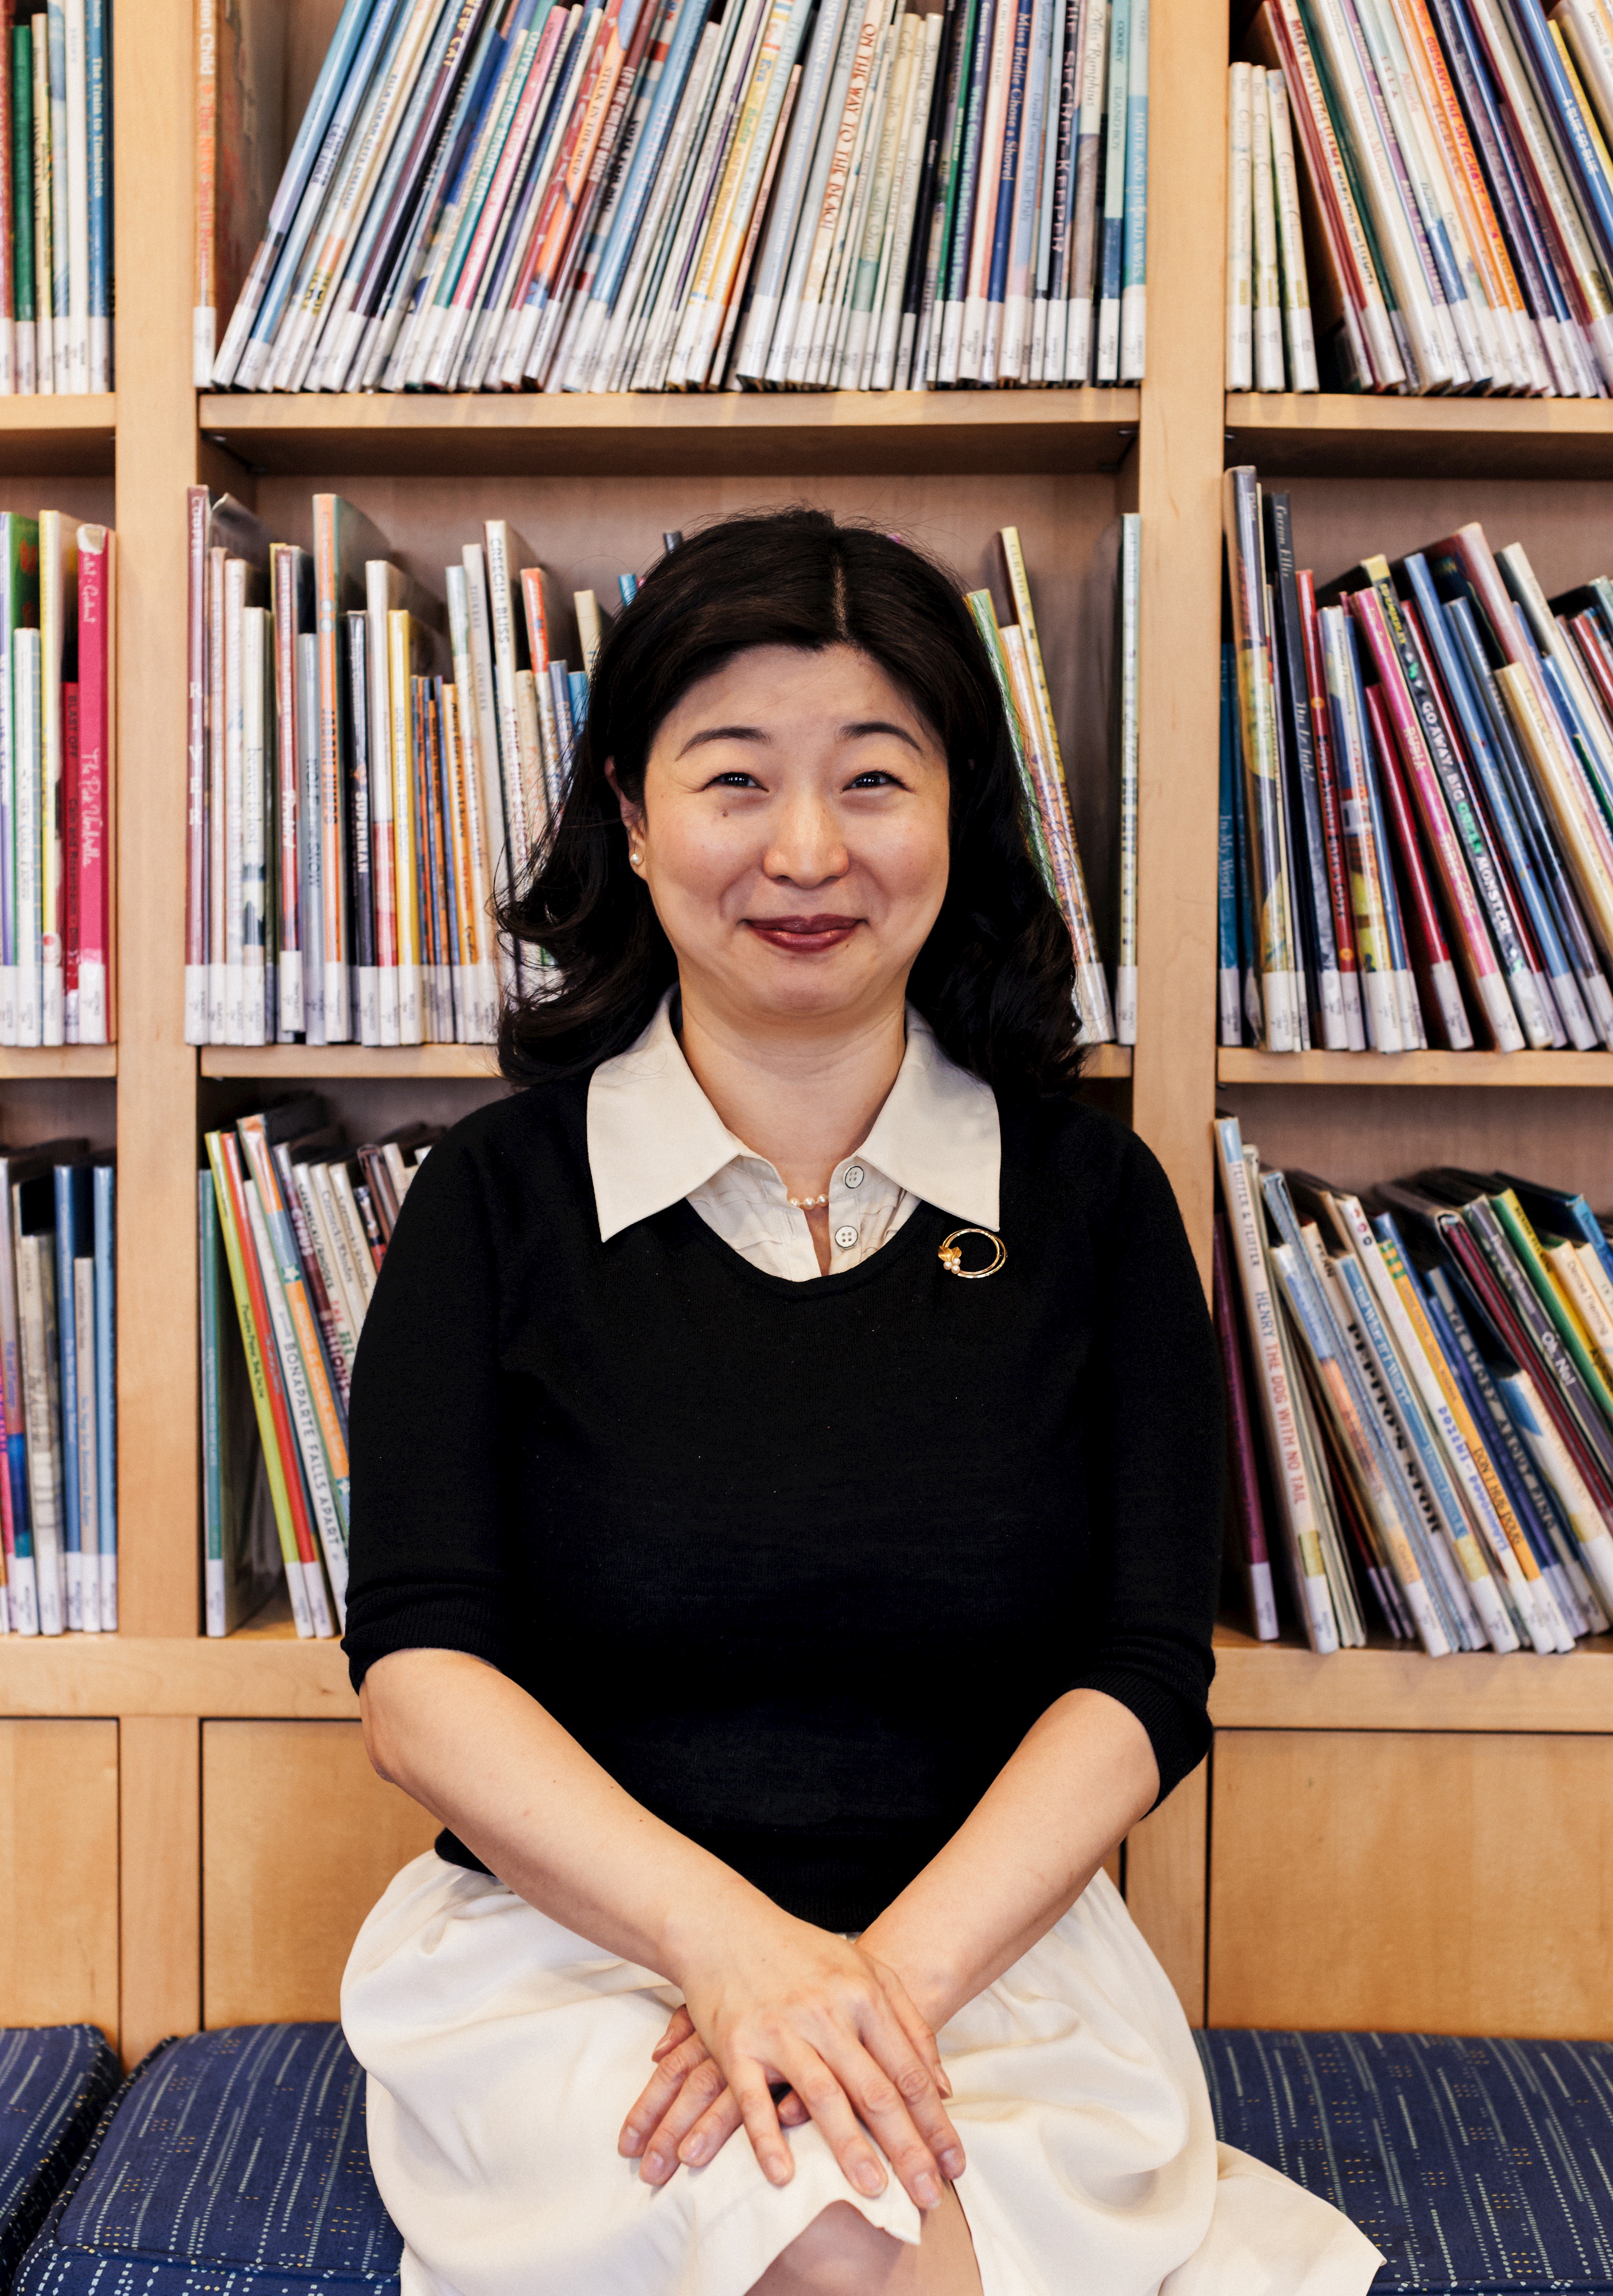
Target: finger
{"points": [[883, 2102], [918, 2082], [677, 2033], [917, 2028], [657, 2094], [705, 2084], [792, 2112], [824, 2098], [712, 2131], [749, 2081]]}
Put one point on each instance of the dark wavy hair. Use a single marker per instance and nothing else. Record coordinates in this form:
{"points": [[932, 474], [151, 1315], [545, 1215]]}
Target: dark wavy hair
{"points": [[996, 977]]}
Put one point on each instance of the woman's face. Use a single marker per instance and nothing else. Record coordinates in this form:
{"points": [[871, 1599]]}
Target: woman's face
{"points": [[794, 834]]}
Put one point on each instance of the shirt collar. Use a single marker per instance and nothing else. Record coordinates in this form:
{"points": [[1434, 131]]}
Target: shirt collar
{"points": [[653, 1137]]}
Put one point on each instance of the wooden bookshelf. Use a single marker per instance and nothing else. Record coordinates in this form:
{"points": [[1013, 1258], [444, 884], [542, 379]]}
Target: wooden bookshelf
{"points": [[205, 1768], [1516, 1070]]}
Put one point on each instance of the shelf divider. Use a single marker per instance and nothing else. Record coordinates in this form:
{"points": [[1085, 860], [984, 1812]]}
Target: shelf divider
{"points": [[1249, 1066]]}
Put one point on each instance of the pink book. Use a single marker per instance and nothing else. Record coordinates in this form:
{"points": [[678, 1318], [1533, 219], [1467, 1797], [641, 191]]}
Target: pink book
{"points": [[1489, 982], [72, 846], [93, 875]]}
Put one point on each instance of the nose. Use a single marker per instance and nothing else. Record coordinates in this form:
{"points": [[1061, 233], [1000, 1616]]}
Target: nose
{"points": [[806, 848]]}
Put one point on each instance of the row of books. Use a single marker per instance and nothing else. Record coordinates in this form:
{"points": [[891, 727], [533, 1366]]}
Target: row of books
{"points": [[292, 1227], [1457, 192], [363, 780], [55, 197], [1270, 345], [58, 741], [57, 1366], [1416, 798], [651, 194], [1419, 1390]]}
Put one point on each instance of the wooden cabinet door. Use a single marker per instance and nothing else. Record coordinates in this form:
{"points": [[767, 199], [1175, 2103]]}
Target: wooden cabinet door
{"points": [[59, 1873]]}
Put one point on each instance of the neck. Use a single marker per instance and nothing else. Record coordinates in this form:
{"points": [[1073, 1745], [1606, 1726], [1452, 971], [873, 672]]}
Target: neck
{"points": [[803, 1095]]}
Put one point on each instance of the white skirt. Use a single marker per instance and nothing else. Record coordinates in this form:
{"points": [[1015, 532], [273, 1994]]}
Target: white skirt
{"points": [[503, 2053]]}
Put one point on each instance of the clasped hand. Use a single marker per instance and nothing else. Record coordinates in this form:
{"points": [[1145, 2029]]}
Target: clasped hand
{"points": [[787, 2007]]}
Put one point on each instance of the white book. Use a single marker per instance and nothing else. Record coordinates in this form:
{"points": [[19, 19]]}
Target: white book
{"points": [[1268, 289], [835, 305], [1290, 239], [887, 368], [37, 1326], [484, 805], [1241, 229], [384, 588], [971, 340], [257, 650], [863, 269], [29, 772], [235, 735]]}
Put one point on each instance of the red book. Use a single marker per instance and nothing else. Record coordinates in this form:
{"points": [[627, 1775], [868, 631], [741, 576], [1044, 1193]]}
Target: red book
{"points": [[71, 842], [1332, 820], [91, 875], [1255, 1556], [1441, 992]]}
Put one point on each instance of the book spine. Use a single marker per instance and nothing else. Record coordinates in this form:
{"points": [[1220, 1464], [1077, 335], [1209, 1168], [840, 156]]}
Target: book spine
{"points": [[94, 719], [1230, 1026], [196, 950], [58, 600], [30, 983], [1263, 785], [411, 1019], [1311, 891], [1246, 1474], [1106, 359], [289, 1019], [1440, 971], [62, 200], [1126, 674], [98, 212], [310, 848], [10, 380], [214, 1616], [19, 155], [1297, 329], [38, 1322], [1269, 370], [1332, 825], [72, 829], [89, 1496], [44, 353], [104, 1201], [64, 1425], [1134, 290], [360, 826], [328, 511], [1373, 952]]}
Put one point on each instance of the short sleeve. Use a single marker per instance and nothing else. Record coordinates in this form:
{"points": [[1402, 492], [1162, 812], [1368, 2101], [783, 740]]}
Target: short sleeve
{"points": [[427, 1557], [1154, 1426]]}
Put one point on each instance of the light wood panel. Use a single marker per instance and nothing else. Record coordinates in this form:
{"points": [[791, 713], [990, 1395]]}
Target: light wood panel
{"points": [[1164, 1867], [1511, 1071], [1290, 436], [40, 435], [29, 1065], [59, 1873], [159, 1833], [300, 1837], [157, 457], [1273, 1685], [135, 1675], [1176, 478], [676, 435], [1424, 1883], [1356, 1135]]}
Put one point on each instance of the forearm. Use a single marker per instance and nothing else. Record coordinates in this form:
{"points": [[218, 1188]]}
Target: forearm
{"points": [[1075, 1785], [486, 1759]]}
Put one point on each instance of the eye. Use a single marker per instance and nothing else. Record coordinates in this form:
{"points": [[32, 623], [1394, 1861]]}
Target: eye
{"points": [[875, 778], [736, 779]]}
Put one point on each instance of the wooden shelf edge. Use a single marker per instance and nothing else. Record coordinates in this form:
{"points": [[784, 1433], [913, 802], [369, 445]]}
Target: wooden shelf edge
{"points": [[19, 1062], [238, 1675], [1106, 1061], [1275, 1686], [43, 435], [1246, 1066], [1335, 434], [477, 1063], [621, 433]]}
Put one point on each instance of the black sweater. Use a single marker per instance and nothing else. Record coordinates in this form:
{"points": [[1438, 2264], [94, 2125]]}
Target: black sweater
{"points": [[798, 1563]]}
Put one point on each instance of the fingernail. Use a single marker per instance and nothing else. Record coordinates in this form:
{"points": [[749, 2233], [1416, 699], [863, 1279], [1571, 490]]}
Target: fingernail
{"points": [[655, 2164], [693, 2148], [952, 2160], [628, 2143], [926, 2192], [942, 2082], [869, 2179], [778, 2166]]}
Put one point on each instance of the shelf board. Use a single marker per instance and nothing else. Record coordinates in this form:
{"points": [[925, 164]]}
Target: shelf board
{"points": [[1279, 1686], [240, 1675], [1555, 1069], [59, 437], [478, 1062], [1288, 435], [675, 434], [19, 1062], [1106, 1061]]}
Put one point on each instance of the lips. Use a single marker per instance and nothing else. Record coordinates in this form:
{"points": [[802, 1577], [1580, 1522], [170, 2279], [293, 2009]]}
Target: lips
{"points": [[803, 935]]}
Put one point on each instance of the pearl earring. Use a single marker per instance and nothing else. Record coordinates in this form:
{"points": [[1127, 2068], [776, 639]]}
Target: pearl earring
{"points": [[635, 857]]}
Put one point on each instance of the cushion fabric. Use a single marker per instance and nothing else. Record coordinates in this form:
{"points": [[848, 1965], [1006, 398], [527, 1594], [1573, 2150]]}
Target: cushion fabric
{"points": [[232, 2159], [53, 2081], [1477, 2167]]}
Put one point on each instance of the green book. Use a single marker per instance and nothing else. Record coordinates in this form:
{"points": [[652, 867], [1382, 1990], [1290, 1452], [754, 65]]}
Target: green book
{"points": [[1525, 1242], [22, 170]]}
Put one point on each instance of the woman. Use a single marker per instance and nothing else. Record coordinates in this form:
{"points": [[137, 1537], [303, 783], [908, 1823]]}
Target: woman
{"points": [[791, 1624]]}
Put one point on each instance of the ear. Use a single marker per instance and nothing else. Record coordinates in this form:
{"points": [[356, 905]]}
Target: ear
{"points": [[632, 816]]}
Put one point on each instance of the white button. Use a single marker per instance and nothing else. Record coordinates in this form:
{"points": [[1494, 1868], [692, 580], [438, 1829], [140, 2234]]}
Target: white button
{"points": [[845, 1237], [854, 1176]]}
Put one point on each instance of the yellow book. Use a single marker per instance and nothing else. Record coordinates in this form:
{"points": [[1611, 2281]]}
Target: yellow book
{"points": [[408, 655]]}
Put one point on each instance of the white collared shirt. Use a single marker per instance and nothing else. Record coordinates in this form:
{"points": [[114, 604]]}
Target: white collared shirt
{"points": [[653, 1137]]}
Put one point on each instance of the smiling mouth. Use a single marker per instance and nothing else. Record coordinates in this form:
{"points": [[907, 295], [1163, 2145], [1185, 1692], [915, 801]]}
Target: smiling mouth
{"points": [[803, 935]]}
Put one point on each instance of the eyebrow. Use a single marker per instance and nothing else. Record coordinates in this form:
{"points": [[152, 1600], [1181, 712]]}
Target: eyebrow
{"points": [[856, 730]]}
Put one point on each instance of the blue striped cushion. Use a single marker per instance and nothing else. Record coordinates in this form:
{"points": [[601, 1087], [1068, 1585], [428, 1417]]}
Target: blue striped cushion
{"points": [[1477, 2167], [53, 2081], [235, 2158]]}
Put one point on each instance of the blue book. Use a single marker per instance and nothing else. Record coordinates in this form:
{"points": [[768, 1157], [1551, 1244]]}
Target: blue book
{"points": [[577, 682], [62, 191], [1134, 256], [98, 121], [560, 686], [1501, 1440], [628, 585], [1563, 1214], [1007, 176], [1226, 870], [372, 23], [1554, 93], [75, 1237], [1111, 242], [955, 271], [105, 1185]]}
